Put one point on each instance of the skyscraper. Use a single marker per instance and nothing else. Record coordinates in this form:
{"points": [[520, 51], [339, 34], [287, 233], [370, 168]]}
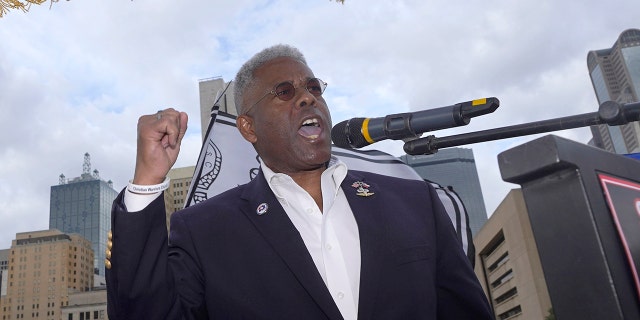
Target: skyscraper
{"points": [[455, 167], [615, 75], [83, 205], [44, 268], [210, 90]]}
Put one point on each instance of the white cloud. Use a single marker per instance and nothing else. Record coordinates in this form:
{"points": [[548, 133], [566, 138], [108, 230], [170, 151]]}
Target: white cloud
{"points": [[75, 78]]}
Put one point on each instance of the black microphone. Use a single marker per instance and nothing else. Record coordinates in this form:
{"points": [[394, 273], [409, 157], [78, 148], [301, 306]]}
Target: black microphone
{"points": [[360, 132]]}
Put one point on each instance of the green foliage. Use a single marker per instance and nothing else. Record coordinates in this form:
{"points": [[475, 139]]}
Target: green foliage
{"points": [[551, 315]]}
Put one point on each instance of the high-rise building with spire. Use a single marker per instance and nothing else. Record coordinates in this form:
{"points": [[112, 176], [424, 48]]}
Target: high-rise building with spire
{"points": [[83, 205]]}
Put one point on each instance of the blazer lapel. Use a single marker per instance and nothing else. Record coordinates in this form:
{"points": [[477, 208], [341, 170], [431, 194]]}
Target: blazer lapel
{"points": [[276, 227], [366, 210]]}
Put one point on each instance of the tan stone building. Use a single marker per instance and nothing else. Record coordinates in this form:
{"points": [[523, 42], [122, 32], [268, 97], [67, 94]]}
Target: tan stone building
{"points": [[176, 195], [508, 265], [44, 268], [210, 90], [86, 305]]}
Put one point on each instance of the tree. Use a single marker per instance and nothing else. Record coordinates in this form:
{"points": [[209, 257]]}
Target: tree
{"points": [[6, 5], [25, 5], [551, 315]]}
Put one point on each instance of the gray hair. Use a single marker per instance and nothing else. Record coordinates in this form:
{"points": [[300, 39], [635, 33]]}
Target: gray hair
{"points": [[245, 76]]}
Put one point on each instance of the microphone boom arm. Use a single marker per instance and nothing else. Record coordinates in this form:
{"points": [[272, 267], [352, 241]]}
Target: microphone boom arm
{"points": [[609, 112]]}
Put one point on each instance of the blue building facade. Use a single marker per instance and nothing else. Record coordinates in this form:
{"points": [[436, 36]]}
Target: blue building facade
{"points": [[83, 206], [455, 167]]}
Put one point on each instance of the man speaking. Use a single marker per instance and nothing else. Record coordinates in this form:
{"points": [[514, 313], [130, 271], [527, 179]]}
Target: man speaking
{"points": [[308, 238]]}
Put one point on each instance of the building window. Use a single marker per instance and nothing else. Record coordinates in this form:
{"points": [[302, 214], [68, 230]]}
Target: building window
{"points": [[493, 245], [507, 295], [500, 261], [510, 313], [502, 279]]}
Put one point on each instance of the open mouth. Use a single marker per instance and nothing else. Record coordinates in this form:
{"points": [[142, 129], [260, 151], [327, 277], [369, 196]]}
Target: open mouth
{"points": [[310, 129]]}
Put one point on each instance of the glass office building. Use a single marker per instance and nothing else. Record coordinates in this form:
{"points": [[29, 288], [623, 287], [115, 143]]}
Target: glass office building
{"points": [[615, 75], [455, 167], [83, 205]]}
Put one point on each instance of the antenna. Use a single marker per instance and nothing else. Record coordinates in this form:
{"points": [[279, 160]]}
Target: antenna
{"points": [[86, 167]]}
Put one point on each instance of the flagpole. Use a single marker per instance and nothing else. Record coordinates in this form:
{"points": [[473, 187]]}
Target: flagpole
{"points": [[196, 176]]}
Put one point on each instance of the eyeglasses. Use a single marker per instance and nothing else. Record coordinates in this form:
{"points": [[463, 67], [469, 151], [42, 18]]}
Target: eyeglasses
{"points": [[285, 91]]}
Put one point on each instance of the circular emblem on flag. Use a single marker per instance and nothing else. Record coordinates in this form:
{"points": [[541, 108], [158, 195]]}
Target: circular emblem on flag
{"points": [[262, 209]]}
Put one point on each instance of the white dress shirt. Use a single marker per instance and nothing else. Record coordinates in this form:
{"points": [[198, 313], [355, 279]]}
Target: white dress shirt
{"points": [[331, 236]]}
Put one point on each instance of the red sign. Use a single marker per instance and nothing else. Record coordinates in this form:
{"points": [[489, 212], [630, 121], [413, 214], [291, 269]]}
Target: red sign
{"points": [[623, 198]]}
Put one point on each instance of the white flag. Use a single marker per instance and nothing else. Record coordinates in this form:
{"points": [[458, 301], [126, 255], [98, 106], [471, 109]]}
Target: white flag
{"points": [[227, 160]]}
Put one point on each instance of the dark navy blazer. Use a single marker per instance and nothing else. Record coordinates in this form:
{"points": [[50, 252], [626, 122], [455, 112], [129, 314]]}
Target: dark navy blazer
{"points": [[222, 260]]}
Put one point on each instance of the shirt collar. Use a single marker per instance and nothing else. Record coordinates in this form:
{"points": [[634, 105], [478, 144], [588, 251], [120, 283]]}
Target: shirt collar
{"points": [[336, 169]]}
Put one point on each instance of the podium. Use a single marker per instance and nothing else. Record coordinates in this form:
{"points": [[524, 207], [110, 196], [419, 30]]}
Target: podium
{"points": [[584, 207]]}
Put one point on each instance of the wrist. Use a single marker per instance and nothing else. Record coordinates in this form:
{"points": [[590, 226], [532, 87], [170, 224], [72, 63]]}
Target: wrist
{"points": [[148, 189]]}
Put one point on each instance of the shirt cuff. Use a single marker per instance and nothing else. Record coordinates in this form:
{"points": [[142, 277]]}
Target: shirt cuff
{"points": [[135, 202]]}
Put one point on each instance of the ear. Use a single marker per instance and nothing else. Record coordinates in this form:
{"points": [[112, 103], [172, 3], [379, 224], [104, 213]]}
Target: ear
{"points": [[245, 126]]}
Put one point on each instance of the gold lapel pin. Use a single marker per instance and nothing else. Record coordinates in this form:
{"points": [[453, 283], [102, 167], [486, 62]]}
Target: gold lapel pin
{"points": [[362, 189]]}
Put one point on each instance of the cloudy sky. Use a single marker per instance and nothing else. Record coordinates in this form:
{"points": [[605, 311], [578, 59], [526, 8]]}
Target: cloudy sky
{"points": [[75, 77]]}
